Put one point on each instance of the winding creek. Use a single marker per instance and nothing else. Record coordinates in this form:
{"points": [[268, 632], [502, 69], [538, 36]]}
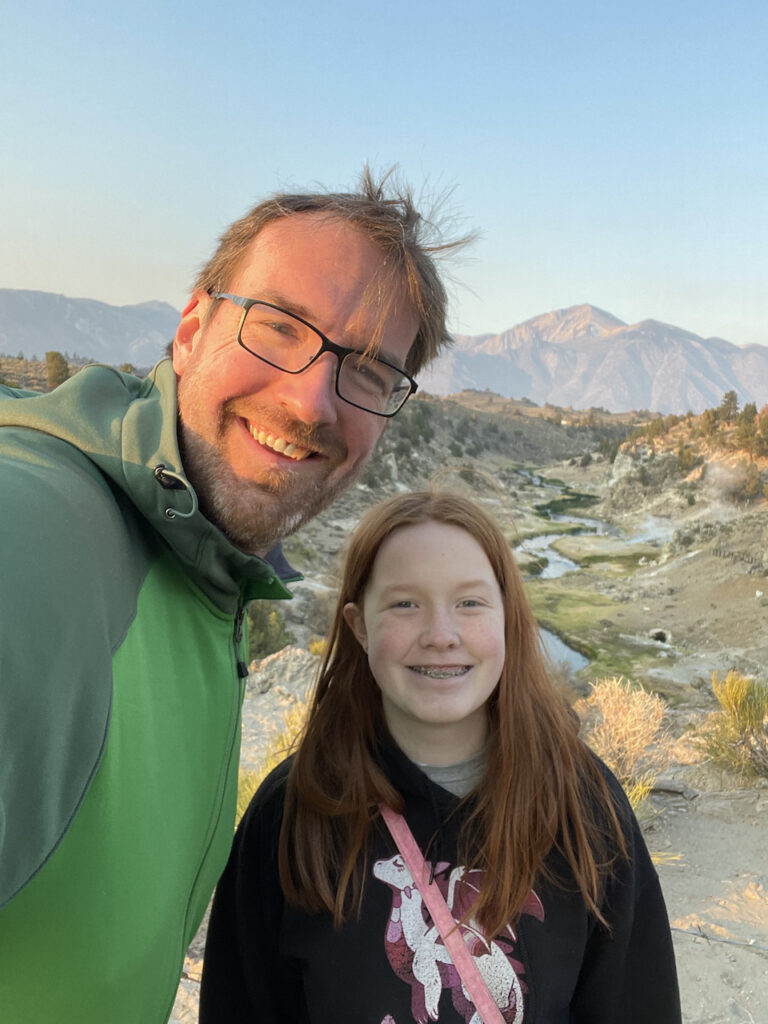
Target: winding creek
{"points": [[560, 652], [556, 564]]}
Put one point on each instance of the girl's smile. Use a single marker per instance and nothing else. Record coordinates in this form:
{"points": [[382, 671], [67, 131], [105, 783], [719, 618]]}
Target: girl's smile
{"points": [[441, 671]]}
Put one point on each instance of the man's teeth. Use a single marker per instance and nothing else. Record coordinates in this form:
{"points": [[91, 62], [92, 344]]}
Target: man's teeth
{"points": [[440, 673], [279, 444]]}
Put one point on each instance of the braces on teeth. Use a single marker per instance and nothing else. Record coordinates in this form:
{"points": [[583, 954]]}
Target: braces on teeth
{"points": [[440, 673]]}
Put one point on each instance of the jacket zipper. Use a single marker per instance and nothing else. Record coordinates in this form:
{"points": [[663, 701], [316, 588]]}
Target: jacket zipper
{"points": [[242, 668]]}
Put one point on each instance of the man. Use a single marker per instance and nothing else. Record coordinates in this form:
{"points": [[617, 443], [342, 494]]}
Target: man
{"points": [[128, 550]]}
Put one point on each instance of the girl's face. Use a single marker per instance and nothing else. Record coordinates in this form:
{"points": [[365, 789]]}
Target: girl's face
{"points": [[432, 624]]}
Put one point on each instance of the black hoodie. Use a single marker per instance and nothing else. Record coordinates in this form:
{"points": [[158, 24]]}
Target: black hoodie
{"points": [[269, 963]]}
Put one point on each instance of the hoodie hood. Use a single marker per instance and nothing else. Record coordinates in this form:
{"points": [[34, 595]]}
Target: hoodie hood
{"points": [[127, 428], [429, 809]]}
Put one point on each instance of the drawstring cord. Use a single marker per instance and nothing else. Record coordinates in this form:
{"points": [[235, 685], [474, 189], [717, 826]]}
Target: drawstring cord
{"points": [[172, 481]]}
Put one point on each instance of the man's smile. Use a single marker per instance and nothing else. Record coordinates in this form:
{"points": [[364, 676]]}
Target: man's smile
{"points": [[277, 443]]}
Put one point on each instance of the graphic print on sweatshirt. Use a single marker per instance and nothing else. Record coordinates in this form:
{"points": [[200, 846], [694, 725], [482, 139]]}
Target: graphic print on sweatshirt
{"points": [[418, 957]]}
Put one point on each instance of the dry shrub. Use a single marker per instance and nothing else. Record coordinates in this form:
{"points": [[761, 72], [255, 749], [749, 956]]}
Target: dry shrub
{"points": [[275, 751], [639, 791], [624, 726], [318, 645], [736, 736]]}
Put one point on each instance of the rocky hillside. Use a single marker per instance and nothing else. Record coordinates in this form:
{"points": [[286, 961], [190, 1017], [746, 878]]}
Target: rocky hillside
{"points": [[18, 372], [720, 455]]}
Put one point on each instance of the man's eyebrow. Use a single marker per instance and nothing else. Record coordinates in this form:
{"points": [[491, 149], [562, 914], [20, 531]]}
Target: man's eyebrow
{"points": [[277, 299]]}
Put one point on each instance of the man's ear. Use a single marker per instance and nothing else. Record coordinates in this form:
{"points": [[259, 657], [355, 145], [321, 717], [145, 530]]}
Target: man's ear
{"points": [[353, 616], [188, 330]]}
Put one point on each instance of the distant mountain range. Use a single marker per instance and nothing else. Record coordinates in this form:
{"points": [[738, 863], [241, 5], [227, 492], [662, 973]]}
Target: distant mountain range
{"points": [[580, 357], [583, 357], [33, 323]]}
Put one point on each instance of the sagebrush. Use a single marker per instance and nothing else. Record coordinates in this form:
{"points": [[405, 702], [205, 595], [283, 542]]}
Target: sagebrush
{"points": [[625, 726], [736, 735], [267, 631], [276, 750]]}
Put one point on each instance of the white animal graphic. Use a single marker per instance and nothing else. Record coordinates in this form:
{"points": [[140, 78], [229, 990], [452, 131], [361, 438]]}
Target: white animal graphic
{"points": [[417, 955]]}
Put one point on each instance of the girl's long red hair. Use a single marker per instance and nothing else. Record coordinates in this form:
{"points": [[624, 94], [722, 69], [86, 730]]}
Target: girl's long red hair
{"points": [[541, 790]]}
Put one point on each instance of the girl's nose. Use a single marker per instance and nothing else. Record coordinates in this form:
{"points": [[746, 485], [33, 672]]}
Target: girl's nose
{"points": [[440, 631]]}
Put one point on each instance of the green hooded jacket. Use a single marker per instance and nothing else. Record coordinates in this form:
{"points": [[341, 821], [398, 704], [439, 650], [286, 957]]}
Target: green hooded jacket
{"points": [[121, 681]]}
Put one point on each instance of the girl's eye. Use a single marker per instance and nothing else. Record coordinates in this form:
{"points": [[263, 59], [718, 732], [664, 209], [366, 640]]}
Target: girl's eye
{"points": [[404, 604], [470, 602]]}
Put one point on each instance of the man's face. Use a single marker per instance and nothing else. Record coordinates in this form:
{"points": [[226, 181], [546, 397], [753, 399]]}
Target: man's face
{"points": [[237, 413]]}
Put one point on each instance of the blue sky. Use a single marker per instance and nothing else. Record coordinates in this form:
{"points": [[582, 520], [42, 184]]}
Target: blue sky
{"points": [[613, 153]]}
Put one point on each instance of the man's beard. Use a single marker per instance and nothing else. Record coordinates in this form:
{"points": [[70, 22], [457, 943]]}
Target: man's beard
{"points": [[254, 515]]}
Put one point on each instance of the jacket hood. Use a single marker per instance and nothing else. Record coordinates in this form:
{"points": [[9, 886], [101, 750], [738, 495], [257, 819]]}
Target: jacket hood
{"points": [[410, 781], [429, 809], [127, 428]]}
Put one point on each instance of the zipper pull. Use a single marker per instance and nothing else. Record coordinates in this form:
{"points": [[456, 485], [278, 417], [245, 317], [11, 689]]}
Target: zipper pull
{"points": [[242, 668]]}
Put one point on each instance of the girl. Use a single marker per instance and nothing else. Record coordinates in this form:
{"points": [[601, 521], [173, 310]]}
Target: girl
{"points": [[434, 700]]}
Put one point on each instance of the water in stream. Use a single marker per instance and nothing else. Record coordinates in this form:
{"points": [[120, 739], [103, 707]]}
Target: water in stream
{"points": [[653, 529], [556, 566], [539, 547], [560, 652]]}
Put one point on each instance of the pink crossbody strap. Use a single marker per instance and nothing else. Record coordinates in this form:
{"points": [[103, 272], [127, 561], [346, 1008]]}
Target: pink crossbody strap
{"points": [[443, 918]]}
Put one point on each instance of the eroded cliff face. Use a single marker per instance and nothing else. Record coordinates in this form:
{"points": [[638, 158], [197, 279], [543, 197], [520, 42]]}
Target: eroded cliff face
{"points": [[721, 486]]}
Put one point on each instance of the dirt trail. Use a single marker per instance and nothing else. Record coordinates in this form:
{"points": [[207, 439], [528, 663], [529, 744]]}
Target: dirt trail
{"points": [[714, 873]]}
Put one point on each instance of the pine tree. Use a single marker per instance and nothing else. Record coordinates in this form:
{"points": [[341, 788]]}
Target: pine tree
{"points": [[57, 369], [729, 406]]}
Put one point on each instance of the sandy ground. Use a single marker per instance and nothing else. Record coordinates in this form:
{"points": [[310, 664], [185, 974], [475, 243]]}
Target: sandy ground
{"points": [[714, 873]]}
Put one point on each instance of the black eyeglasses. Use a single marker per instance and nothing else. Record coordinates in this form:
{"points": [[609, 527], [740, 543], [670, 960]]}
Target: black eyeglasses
{"points": [[289, 343]]}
